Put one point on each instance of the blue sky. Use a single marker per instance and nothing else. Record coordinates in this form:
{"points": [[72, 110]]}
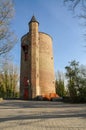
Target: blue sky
{"points": [[56, 20]]}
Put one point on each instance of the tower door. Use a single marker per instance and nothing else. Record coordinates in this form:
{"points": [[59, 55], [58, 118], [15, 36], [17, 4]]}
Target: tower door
{"points": [[26, 93]]}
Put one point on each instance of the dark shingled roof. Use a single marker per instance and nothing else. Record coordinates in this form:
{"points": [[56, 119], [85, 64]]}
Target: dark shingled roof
{"points": [[33, 19]]}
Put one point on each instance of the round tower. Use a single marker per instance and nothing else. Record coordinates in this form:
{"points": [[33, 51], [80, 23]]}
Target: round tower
{"points": [[34, 39], [37, 63], [25, 70], [46, 63]]}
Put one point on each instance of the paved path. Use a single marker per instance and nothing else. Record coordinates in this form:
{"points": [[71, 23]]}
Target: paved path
{"points": [[40, 115]]}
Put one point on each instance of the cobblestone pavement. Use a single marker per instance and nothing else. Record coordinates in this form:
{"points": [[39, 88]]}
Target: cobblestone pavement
{"points": [[41, 115]]}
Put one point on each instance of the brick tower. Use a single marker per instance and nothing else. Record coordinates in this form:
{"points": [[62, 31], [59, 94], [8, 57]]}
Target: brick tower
{"points": [[37, 65]]}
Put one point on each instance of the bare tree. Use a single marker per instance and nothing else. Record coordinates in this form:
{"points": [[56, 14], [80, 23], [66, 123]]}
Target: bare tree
{"points": [[75, 3], [7, 37], [79, 6], [79, 9]]}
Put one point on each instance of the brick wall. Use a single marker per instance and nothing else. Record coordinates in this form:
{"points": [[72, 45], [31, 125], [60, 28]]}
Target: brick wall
{"points": [[37, 65]]}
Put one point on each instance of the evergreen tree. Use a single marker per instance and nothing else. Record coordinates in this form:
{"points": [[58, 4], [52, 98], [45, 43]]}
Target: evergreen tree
{"points": [[60, 87], [76, 81]]}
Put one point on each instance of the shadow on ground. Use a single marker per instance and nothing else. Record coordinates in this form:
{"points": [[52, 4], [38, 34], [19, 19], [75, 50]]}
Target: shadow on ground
{"points": [[43, 116], [68, 113], [36, 104]]}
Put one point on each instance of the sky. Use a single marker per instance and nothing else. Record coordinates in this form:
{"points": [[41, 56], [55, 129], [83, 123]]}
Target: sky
{"points": [[56, 20]]}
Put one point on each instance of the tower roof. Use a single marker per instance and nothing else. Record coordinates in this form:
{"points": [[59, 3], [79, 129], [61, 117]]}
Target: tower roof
{"points": [[33, 19]]}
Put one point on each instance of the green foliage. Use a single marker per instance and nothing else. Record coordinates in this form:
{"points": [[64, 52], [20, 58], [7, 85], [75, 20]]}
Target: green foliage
{"points": [[8, 80], [60, 87], [76, 76]]}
